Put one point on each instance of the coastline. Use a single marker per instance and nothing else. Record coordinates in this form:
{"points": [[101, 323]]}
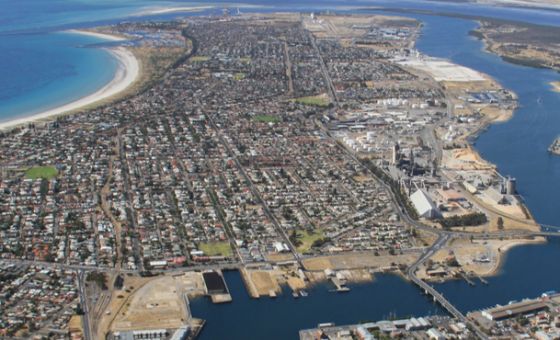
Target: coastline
{"points": [[104, 36], [168, 10], [503, 250], [128, 71]]}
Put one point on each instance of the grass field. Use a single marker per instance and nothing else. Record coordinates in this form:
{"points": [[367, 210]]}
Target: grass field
{"points": [[46, 172], [266, 119], [216, 248], [307, 238], [199, 58], [319, 100]]}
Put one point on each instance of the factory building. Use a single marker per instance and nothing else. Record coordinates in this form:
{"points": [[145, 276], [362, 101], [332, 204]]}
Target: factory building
{"points": [[510, 185], [424, 205], [513, 310]]}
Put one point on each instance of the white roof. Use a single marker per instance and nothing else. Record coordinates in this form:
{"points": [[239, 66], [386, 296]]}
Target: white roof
{"points": [[422, 202]]}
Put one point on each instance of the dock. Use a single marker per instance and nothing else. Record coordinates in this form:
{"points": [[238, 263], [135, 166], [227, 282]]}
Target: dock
{"points": [[466, 278], [216, 287], [340, 286]]}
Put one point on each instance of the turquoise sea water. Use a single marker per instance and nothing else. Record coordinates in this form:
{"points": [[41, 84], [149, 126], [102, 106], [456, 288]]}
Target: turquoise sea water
{"points": [[46, 70], [43, 70]]}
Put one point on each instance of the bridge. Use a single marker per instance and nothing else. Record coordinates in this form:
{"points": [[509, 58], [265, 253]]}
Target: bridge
{"points": [[438, 297]]}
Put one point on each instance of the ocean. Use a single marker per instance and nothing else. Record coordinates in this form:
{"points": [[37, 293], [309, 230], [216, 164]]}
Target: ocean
{"points": [[41, 67]]}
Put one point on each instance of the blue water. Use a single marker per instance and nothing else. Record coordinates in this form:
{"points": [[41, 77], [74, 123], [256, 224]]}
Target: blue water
{"points": [[518, 147], [283, 317], [46, 70], [42, 68]]}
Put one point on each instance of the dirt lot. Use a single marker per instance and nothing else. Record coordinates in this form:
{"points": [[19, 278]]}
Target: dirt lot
{"points": [[153, 303], [465, 159], [357, 261], [265, 282], [466, 252], [279, 257], [118, 299]]}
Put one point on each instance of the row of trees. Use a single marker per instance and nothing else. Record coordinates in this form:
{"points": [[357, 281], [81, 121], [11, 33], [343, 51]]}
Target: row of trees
{"points": [[468, 220]]}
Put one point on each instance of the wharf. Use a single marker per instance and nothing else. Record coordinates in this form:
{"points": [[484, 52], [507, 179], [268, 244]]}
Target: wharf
{"points": [[466, 278], [216, 287], [340, 286]]}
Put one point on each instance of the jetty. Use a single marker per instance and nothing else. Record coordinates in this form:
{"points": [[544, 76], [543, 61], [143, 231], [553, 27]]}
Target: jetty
{"points": [[466, 278], [216, 286], [340, 285]]}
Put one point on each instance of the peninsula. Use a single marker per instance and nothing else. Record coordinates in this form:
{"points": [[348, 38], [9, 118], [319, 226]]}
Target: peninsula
{"points": [[293, 147], [521, 43]]}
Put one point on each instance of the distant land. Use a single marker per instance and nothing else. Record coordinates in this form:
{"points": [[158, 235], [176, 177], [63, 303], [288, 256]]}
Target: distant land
{"points": [[542, 4], [521, 43]]}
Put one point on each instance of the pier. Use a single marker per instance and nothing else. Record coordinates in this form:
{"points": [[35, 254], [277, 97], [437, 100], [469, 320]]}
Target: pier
{"points": [[466, 278], [340, 286], [216, 287]]}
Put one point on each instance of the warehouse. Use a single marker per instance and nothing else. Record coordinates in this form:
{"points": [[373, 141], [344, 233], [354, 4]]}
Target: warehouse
{"points": [[424, 205]]}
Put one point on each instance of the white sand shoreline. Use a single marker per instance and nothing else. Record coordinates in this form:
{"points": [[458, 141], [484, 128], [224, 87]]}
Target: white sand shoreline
{"points": [[99, 35], [127, 72], [167, 10]]}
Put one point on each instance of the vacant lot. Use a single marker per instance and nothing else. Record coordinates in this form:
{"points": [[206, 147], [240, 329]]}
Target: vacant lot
{"points": [[357, 261], [216, 248], [320, 100], [265, 282]]}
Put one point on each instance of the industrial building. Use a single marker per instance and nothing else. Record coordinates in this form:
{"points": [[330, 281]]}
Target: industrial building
{"points": [[424, 205], [514, 309]]}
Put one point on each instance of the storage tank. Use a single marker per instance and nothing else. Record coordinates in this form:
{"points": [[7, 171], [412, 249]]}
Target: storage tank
{"points": [[511, 184]]}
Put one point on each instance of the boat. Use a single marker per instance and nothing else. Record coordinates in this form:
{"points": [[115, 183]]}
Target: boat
{"points": [[303, 293], [554, 148], [295, 295]]}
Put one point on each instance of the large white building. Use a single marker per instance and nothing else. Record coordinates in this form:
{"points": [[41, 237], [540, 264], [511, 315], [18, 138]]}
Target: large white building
{"points": [[424, 205]]}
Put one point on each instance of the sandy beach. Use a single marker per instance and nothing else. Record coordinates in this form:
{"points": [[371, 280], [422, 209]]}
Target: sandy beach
{"points": [[127, 72], [160, 10], [104, 36]]}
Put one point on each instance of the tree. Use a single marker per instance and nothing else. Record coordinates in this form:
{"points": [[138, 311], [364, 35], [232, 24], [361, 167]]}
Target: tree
{"points": [[500, 223]]}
